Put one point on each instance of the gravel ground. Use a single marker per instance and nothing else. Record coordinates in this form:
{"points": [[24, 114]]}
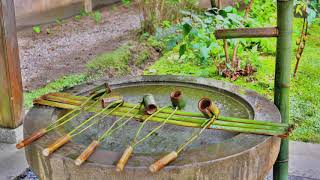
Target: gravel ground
{"points": [[45, 57]]}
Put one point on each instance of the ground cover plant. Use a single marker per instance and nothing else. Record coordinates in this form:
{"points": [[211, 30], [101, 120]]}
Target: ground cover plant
{"points": [[260, 53]]}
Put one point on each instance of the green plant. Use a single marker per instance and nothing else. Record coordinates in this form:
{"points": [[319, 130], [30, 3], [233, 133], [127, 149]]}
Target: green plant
{"points": [[142, 57], [59, 21], [156, 11], [48, 30], [96, 16], [77, 17], [116, 60], [197, 40], [83, 13], [126, 2], [57, 85], [307, 10], [36, 29]]}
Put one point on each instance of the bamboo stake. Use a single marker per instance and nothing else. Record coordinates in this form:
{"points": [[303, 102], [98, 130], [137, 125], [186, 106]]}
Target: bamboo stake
{"points": [[56, 145]]}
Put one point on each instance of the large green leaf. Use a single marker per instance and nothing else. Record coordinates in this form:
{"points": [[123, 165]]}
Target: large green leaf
{"points": [[186, 28], [182, 50]]}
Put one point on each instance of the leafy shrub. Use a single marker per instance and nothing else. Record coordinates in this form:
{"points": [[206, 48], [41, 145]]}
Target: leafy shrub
{"points": [[36, 29], [155, 11]]}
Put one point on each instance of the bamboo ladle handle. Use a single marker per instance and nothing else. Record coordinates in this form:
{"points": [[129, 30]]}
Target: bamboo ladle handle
{"points": [[56, 145], [124, 158], [161, 163], [33, 137], [86, 153]]}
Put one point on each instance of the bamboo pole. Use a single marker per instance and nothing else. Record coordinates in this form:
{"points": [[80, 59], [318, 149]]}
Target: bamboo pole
{"points": [[179, 115], [188, 116], [282, 80]]}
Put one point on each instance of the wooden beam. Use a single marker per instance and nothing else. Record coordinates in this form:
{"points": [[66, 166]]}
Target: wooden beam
{"points": [[11, 96], [246, 33]]}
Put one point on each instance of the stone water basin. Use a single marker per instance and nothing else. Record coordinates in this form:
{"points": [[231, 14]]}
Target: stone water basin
{"points": [[216, 155]]}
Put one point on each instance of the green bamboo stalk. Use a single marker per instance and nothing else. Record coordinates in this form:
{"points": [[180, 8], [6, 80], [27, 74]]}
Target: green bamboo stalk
{"points": [[199, 115], [218, 122], [223, 118], [215, 125], [233, 122], [54, 104], [64, 100], [220, 125], [57, 123], [250, 130], [282, 80]]}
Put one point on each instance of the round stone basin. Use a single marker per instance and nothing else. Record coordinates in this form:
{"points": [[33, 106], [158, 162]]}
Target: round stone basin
{"points": [[215, 155]]}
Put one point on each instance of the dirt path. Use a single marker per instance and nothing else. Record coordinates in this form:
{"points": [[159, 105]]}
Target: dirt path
{"points": [[46, 57]]}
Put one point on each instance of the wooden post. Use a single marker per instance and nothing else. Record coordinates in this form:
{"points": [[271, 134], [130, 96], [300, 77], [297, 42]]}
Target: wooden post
{"points": [[11, 96], [88, 6]]}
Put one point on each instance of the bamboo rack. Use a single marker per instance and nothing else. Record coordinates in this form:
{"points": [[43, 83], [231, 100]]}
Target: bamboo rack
{"points": [[181, 118]]}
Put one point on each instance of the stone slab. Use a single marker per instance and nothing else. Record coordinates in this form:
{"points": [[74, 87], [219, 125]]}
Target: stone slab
{"points": [[12, 161], [304, 159], [10, 136]]}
